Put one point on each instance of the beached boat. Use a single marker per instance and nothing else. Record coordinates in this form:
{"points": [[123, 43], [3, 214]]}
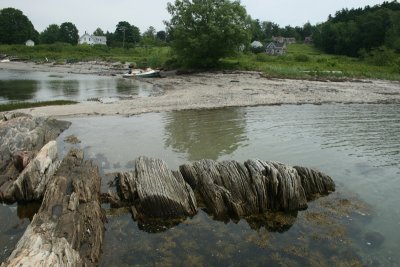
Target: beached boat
{"points": [[149, 73]]}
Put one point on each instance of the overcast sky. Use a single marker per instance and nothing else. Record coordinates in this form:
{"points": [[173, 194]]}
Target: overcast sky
{"points": [[88, 15]]}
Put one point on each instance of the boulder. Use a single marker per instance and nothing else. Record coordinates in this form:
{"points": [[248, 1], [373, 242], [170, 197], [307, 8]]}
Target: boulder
{"points": [[22, 137], [69, 227]]}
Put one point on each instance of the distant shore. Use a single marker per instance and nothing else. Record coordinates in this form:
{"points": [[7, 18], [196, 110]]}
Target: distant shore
{"points": [[214, 90]]}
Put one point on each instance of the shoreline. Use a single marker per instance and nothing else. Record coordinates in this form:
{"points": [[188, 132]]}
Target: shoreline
{"points": [[210, 90]]}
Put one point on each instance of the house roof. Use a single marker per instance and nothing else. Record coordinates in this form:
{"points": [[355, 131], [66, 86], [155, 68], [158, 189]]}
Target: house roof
{"points": [[276, 45]]}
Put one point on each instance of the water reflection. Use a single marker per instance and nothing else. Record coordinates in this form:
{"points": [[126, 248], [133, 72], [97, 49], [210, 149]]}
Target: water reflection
{"points": [[20, 90], [205, 133], [41, 86], [13, 222], [352, 143]]}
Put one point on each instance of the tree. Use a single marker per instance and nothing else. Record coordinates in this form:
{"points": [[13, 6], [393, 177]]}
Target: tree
{"points": [[126, 33], [15, 27], [257, 33], [150, 33], [69, 33], [162, 36], [98, 32], [50, 35], [204, 31]]}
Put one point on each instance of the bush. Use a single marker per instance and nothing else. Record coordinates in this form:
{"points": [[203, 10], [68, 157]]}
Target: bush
{"points": [[262, 57], [302, 58], [381, 56]]}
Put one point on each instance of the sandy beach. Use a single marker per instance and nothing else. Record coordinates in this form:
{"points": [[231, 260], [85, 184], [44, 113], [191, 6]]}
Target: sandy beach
{"points": [[215, 90]]}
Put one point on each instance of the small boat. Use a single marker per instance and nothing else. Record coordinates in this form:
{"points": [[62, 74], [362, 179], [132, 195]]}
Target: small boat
{"points": [[148, 73]]}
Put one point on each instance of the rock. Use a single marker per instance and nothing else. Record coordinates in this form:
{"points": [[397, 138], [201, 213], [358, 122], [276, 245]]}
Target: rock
{"points": [[30, 185], [155, 192], [231, 189], [227, 190], [374, 239], [315, 182], [22, 136], [69, 227]]}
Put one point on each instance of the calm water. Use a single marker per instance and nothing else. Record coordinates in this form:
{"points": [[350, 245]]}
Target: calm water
{"points": [[42, 86], [358, 145]]}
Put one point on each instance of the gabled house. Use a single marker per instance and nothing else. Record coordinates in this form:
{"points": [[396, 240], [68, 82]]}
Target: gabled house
{"points": [[274, 48], [92, 39]]}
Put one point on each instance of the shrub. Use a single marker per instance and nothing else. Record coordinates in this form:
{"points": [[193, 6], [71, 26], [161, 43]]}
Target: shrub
{"points": [[302, 58]]}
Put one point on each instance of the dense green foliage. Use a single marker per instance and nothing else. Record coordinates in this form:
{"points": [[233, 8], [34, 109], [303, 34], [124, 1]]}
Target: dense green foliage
{"points": [[306, 62], [69, 33], [61, 53], [21, 105], [265, 30], [15, 27], [50, 35], [353, 31], [125, 35], [203, 31]]}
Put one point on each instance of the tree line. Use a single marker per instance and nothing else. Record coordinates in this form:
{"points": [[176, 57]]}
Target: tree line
{"points": [[201, 32], [16, 28], [355, 32]]}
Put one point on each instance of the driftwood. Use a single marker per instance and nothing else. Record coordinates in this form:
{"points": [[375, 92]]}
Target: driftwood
{"points": [[68, 229], [155, 192], [21, 138]]}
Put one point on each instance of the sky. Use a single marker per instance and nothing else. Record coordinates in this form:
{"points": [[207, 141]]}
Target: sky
{"points": [[88, 15]]}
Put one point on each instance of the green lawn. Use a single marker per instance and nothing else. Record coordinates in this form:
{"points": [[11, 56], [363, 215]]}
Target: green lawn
{"points": [[63, 53], [304, 61], [301, 62]]}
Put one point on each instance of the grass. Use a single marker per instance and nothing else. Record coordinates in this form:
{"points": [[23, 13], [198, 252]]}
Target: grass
{"points": [[62, 53], [305, 62], [301, 62], [21, 105]]}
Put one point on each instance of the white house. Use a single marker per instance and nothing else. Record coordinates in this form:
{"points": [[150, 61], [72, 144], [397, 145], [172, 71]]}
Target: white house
{"points": [[92, 39], [276, 48], [30, 43]]}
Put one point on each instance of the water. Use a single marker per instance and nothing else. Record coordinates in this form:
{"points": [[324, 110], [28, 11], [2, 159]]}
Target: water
{"points": [[358, 145], [43, 86]]}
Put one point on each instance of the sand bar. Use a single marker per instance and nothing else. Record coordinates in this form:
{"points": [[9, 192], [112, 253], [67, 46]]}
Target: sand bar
{"points": [[215, 90]]}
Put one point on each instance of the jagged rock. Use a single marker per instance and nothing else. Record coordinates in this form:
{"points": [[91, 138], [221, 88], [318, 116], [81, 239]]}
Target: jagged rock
{"points": [[232, 189], [281, 183], [22, 136], [69, 227], [315, 182], [31, 183], [228, 189], [155, 191]]}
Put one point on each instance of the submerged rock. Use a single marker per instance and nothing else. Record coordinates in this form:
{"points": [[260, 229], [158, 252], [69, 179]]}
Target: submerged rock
{"points": [[374, 239]]}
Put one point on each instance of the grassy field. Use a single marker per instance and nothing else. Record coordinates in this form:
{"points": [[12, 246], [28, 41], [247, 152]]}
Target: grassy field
{"points": [[62, 53], [304, 61], [301, 62]]}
